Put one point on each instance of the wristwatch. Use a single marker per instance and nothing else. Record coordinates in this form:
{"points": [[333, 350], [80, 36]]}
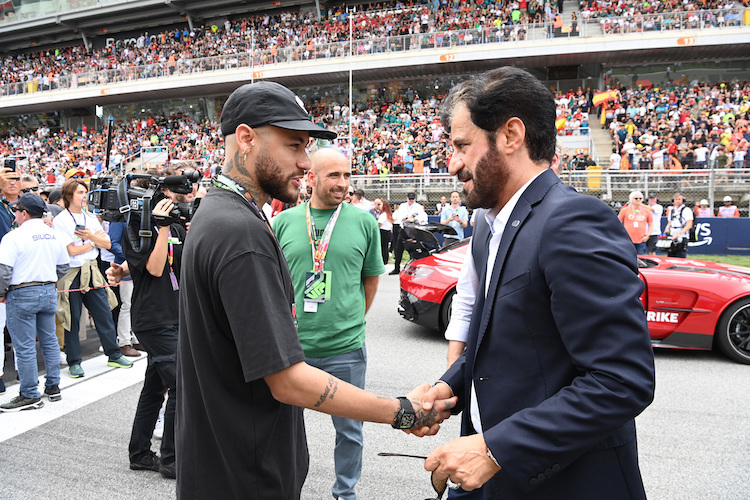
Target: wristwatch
{"points": [[405, 417]]}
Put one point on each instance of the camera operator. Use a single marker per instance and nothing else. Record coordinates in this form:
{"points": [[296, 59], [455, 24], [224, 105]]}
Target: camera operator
{"points": [[155, 270]]}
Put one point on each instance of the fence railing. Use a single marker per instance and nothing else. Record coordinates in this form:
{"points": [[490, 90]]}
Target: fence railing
{"points": [[611, 186], [257, 59]]}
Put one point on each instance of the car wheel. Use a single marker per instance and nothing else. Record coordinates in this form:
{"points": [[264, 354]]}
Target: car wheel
{"points": [[446, 308], [733, 331]]}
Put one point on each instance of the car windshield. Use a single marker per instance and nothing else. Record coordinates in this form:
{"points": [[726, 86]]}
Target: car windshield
{"points": [[646, 263]]}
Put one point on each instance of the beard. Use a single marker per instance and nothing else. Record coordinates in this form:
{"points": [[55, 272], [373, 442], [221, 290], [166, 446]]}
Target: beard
{"points": [[272, 180], [489, 178]]}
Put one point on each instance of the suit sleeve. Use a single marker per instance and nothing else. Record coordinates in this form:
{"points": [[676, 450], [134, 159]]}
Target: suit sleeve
{"points": [[591, 276]]}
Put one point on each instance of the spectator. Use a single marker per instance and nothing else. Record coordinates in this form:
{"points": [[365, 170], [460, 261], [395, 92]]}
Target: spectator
{"points": [[409, 212], [384, 216], [32, 259], [440, 206], [455, 216], [656, 213], [83, 235], [637, 220]]}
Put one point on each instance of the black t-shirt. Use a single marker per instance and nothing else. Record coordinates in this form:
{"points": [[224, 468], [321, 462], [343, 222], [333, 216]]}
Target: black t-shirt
{"points": [[155, 302], [234, 440]]}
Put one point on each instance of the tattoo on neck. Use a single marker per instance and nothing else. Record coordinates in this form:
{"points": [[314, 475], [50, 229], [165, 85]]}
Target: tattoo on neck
{"points": [[330, 390], [235, 169]]}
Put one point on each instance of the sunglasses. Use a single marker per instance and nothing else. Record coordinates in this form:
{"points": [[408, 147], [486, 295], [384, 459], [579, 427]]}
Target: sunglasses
{"points": [[28, 190], [77, 176]]}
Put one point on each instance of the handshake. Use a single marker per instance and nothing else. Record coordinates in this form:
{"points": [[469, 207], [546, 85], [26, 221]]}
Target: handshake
{"points": [[431, 404]]}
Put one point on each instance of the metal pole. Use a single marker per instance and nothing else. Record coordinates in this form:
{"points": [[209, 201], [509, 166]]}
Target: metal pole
{"points": [[351, 59]]}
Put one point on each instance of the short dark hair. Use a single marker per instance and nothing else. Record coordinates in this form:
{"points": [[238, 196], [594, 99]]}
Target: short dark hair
{"points": [[494, 97]]}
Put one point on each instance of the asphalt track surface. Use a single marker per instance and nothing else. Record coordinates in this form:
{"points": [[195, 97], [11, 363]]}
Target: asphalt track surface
{"points": [[693, 439]]}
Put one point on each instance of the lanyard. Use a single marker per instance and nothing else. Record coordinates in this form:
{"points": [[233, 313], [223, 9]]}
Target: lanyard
{"points": [[320, 249], [13, 223], [225, 182], [170, 248], [74, 219]]}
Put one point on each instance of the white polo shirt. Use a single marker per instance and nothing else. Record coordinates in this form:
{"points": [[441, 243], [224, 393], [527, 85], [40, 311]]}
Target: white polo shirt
{"points": [[65, 223], [34, 251]]}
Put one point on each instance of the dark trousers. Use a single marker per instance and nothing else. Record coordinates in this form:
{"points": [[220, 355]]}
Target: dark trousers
{"points": [[385, 244], [398, 244], [97, 304], [161, 376]]}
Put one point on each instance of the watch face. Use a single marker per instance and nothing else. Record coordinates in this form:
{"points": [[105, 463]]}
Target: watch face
{"points": [[407, 420]]}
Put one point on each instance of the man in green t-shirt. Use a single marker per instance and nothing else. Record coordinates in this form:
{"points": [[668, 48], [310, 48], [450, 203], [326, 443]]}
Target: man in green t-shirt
{"points": [[333, 252]]}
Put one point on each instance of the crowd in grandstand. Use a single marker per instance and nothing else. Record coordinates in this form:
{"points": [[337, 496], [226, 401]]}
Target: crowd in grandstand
{"points": [[652, 128], [681, 127], [273, 37]]}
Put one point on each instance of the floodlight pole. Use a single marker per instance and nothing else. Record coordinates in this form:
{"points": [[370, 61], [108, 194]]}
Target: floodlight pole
{"points": [[351, 59]]}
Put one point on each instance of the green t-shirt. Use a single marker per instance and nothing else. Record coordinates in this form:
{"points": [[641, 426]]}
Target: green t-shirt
{"points": [[338, 326]]}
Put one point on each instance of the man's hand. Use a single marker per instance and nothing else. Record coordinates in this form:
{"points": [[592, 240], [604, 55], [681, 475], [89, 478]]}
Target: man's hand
{"points": [[464, 460], [7, 174], [432, 405], [116, 273]]}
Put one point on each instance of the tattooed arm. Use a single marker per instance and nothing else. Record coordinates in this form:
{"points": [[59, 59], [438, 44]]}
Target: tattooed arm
{"points": [[306, 386]]}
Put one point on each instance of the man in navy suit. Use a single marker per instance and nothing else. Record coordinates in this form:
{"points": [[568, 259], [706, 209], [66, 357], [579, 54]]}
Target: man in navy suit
{"points": [[558, 360]]}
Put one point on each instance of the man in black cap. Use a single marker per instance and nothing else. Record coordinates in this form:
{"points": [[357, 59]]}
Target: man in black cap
{"points": [[32, 259], [411, 211], [242, 379]]}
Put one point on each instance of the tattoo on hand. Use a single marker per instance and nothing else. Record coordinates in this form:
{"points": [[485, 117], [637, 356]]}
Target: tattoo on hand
{"points": [[330, 390], [425, 419]]}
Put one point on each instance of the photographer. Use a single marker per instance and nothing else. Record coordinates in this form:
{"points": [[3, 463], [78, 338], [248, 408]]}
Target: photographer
{"points": [[155, 269]]}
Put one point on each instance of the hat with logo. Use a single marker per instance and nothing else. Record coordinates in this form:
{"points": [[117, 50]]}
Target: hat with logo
{"points": [[30, 202], [411, 196], [268, 103]]}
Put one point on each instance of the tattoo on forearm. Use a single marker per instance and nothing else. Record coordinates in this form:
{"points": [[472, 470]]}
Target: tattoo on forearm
{"points": [[330, 390]]}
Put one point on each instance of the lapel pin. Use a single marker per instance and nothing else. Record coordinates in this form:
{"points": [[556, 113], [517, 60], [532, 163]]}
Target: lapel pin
{"points": [[515, 223]]}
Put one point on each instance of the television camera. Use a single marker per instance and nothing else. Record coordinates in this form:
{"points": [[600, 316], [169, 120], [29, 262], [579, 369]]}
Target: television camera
{"points": [[122, 202]]}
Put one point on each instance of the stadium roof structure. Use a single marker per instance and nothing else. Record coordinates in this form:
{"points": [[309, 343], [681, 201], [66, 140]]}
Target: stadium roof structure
{"points": [[110, 17]]}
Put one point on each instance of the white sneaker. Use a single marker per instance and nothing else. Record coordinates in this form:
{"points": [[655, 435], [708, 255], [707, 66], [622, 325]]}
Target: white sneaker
{"points": [[159, 428]]}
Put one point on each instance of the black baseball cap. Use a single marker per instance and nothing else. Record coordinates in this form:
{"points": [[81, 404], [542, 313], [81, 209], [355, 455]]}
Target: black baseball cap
{"points": [[411, 196], [268, 103], [30, 202]]}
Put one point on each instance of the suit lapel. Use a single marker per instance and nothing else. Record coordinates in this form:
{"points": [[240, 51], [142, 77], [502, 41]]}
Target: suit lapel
{"points": [[533, 195]]}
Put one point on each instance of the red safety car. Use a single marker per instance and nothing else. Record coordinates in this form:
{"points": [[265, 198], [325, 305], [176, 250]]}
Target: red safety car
{"points": [[690, 304]]}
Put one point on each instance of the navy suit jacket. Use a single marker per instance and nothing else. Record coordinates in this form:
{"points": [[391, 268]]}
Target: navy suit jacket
{"points": [[559, 350]]}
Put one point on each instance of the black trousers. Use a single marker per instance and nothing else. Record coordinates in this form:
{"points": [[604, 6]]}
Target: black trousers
{"points": [[161, 376], [398, 244], [385, 244]]}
